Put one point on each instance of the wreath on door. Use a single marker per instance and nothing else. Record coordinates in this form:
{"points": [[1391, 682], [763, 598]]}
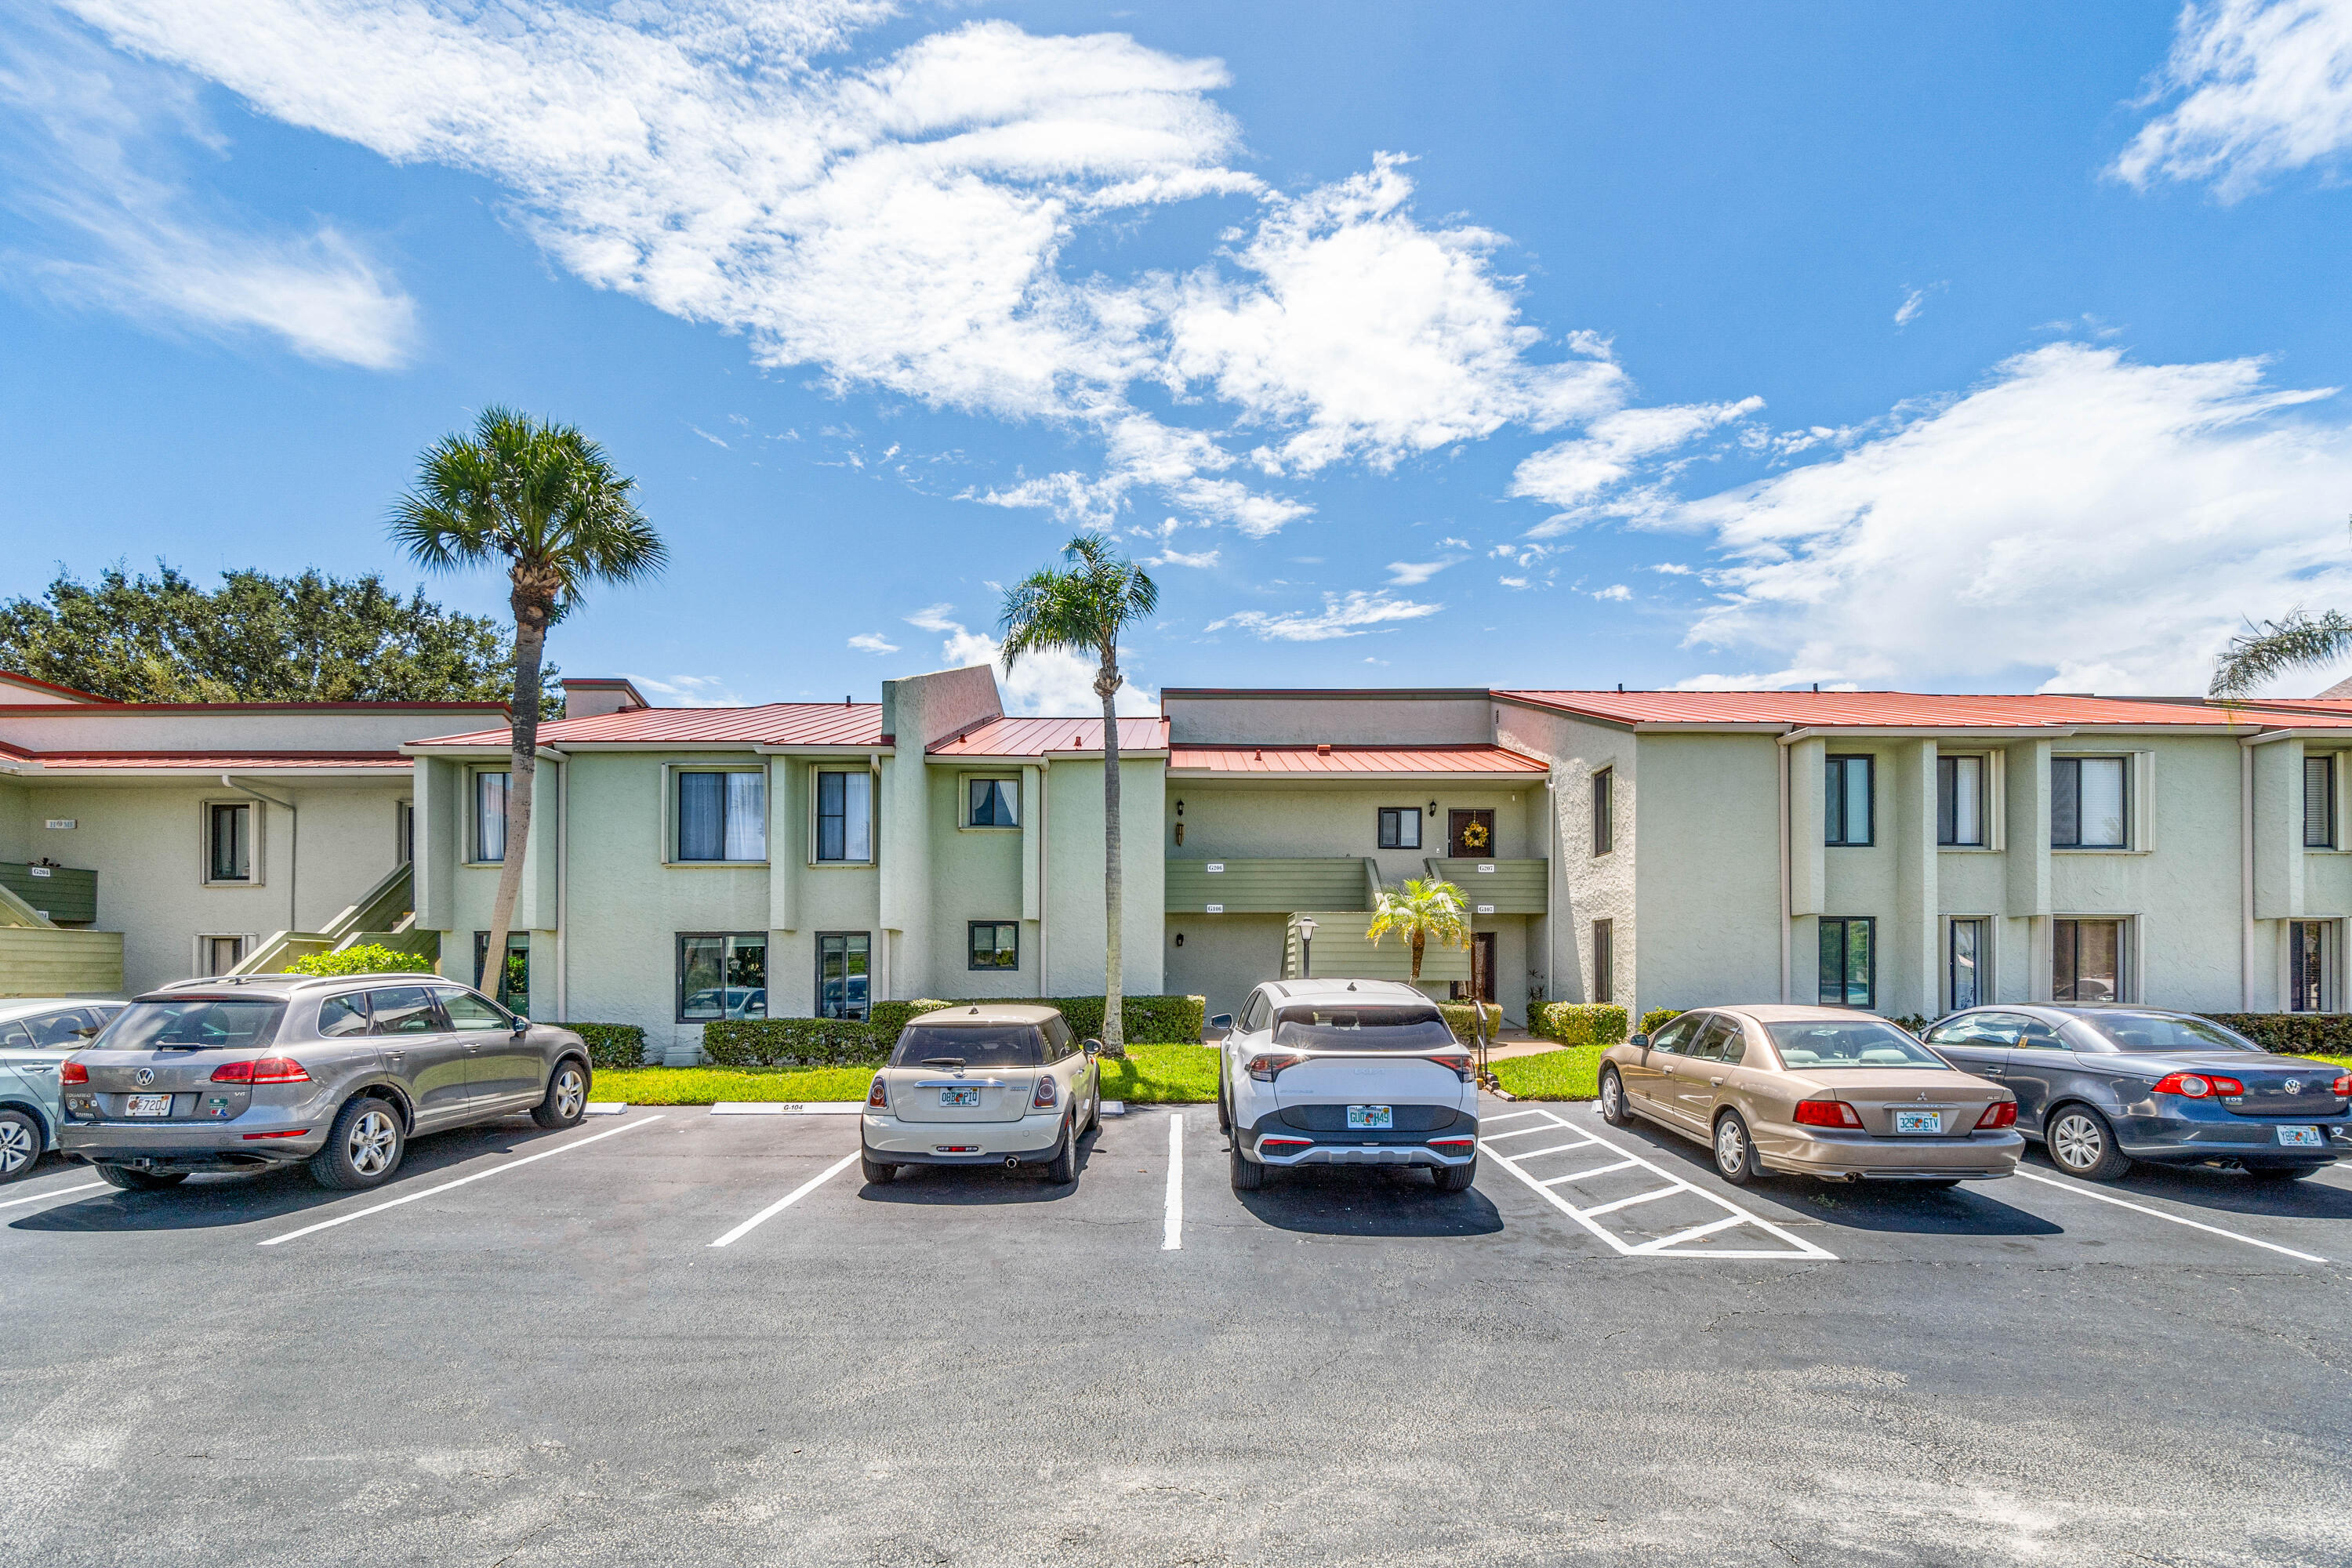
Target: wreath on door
{"points": [[1473, 835]]}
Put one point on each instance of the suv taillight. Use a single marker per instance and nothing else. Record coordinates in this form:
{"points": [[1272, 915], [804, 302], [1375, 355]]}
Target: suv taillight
{"points": [[1262, 1068], [73, 1072], [1046, 1091], [261, 1069], [1826, 1113], [878, 1097], [1459, 1061], [2000, 1114], [2198, 1085]]}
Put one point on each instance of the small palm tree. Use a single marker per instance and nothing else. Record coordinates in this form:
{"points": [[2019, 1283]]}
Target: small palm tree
{"points": [[1420, 911], [543, 500], [2297, 641], [1085, 608]]}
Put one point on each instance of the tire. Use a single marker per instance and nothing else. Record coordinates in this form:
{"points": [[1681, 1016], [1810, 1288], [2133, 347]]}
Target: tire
{"points": [[1064, 1170], [1248, 1174], [1457, 1178], [1094, 1111], [20, 1146], [2265, 1172], [132, 1181], [876, 1174], [1735, 1151], [567, 1096], [1614, 1110], [2081, 1142], [363, 1148]]}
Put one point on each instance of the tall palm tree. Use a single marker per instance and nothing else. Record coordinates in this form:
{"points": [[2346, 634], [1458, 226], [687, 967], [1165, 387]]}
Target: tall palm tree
{"points": [[2296, 641], [1084, 608], [1422, 912], [544, 499]]}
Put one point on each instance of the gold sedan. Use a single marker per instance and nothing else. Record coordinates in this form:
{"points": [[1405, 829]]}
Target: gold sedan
{"points": [[1813, 1091]]}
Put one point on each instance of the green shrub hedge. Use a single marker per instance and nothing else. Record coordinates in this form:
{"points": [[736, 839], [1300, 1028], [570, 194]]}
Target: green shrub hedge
{"points": [[2292, 1034], [371, 958], [1462, 1018], [845, 1042], [1577, 1023], [1657, 1015], [1151, 1020], [612, 1047]]}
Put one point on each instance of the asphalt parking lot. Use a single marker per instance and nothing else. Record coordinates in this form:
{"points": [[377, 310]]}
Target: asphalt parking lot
{"points": [[531, 1348]]}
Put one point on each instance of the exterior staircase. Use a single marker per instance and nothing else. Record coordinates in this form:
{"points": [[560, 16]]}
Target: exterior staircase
{"points": [[386, 915]]}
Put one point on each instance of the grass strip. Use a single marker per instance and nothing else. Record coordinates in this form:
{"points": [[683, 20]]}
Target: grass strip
{"points": [[1162, 1075], [1151, 1075], [1571, 1074]]}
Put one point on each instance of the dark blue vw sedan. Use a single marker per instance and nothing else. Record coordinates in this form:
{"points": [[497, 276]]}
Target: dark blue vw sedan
{"points": [[2101, 1086]]}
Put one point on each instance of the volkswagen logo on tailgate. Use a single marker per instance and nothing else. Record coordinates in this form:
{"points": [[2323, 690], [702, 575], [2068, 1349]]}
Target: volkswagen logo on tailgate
{"points": [[145, 1077], [2292, 1086]]}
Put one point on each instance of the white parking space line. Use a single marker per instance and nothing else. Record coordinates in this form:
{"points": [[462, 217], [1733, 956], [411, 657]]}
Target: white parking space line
{"points": [[2081, 1190], [1173, 1239], [53, 1193], [476, 1176], [787, 1200], [1670, 1245]]}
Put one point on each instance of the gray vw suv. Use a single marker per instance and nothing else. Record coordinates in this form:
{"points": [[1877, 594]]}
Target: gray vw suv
{"points": [[339, 1073]]}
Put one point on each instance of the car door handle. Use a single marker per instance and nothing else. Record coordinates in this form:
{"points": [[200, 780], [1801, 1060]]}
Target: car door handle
{"points": [[1717, 1081]]}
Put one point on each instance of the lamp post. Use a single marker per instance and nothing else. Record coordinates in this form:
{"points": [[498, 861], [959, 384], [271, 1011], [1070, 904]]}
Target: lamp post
{"points": [[1306, 946]]}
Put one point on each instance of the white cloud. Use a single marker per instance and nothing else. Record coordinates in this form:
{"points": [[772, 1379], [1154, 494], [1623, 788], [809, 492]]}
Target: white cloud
{"points": [[1576, 473], [2263, 87], [933, 618], [1913, 301], [1348, 615], [873, 642], [691, 691], [93, 172], [1413, 573], [1512, 581], [1053, 683], [1616, 593], [1671, 568], [2078, 520]]}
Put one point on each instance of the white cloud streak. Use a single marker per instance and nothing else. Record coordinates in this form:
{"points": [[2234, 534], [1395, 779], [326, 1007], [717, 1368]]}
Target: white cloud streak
{"points": [[2262, 87], [873, 642], [1348, 615], [1576, 474]]}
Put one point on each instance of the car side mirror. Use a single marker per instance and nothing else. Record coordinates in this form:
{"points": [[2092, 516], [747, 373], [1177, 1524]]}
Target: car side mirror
{"points": [[1222, 1025], [522, 1025], [1093, 1047], [1640, 1042]]}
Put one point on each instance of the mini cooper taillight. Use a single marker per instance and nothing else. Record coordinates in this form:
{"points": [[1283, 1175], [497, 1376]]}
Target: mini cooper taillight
{"points": [[2198, 1085], [73, 1072], [878, 1097], [2000, 1114], [261, 1069], [1826, 1113], [1047, 1091]]}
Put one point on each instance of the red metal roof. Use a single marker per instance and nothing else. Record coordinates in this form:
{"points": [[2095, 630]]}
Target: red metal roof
{"points": [[219, 761], [1366, 759], [770, 724], [1045, 737], [1891, 710]]}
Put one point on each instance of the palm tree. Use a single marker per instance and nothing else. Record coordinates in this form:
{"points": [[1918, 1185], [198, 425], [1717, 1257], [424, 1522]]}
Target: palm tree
{"points": [[1083, 609], [544, 499], [1422, 911], [2295, 642]]}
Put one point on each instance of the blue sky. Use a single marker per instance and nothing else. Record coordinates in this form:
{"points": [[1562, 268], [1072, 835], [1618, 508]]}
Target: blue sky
{"points": [[1962, 348]]}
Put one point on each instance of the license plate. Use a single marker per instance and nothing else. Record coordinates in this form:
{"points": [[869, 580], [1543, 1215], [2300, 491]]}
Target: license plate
{"points": [[1918, 1121], [161, 1105], [1371, 1116], [2301, 1137], [959, 1097]]}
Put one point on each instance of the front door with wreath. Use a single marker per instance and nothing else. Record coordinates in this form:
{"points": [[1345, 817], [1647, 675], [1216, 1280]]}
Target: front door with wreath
{"points": [[1470, 834]]}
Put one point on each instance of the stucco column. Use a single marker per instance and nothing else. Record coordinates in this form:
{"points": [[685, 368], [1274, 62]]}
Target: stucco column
{"points": [[1808, 861], [2278, 830], [2026, 800], [1916, 923], [1033, 838], [787, 819]]}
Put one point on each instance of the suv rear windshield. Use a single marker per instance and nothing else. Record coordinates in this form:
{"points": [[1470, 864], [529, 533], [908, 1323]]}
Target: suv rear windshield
{"points": [[196, 1024], [974, 1045], [1337, 1028], [2159, 1032], [1844, 1045]]}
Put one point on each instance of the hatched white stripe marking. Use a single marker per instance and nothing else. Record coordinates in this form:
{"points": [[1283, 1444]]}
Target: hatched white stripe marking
{"points": [[1596, 1170], [1174, 1240], [1595, 1213]]}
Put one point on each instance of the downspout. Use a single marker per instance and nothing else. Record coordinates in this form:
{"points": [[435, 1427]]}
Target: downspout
{"points": [[877, 985], [562, 887], [1044, 873], [293, 860]]}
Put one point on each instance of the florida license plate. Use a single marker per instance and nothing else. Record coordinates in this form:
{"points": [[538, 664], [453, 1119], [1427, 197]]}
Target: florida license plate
{"points": [[1360, 1116], [959, 1097], [2301, 1137], [1918, 1121], [147, 1105]]}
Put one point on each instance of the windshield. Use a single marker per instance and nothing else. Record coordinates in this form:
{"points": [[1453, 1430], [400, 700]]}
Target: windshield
{"points": [[196, 1023], [1840, 1044], [1335, 1029], [2162, 1032], [972, 1045]]}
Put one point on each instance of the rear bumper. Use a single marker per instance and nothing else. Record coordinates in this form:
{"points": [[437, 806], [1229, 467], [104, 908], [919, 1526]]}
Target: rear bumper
{"points": [[179, 1147], [891, 1141], [1272, 1142], [2180, 1139], [1802, 1151]]}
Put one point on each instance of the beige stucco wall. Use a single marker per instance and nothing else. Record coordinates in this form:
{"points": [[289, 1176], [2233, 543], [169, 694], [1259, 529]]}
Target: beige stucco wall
{"points": [[1224, 957], [1585, 887], [1293, 718]]}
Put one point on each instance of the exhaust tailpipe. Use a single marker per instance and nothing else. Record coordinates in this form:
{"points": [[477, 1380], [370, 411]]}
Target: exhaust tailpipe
{"points": [[1012, 1162]]}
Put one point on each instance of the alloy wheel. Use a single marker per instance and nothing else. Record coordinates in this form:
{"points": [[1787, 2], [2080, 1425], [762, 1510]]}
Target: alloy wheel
{"points": [[370, 1143], [1612, 1097], [2076, 1141], [1730, 1145], [569, 1094], [16, 1150]]}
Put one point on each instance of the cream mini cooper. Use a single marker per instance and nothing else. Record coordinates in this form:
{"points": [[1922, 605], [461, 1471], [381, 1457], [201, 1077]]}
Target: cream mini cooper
{"points": [[983, 1086]]}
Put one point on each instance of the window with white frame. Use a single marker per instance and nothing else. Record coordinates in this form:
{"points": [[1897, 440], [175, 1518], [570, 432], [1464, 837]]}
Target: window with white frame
{"points": [[228, 842], [1960, 802], [489, 815], [845, 817], [2089, 803], [1967, 952], [220, 955], [2319, 802], [722, 814], [2086, 961], [2307, 965], [992, 802]]}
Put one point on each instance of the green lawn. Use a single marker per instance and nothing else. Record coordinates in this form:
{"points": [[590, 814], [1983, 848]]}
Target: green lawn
{"points": [[1571, 1074], [1150, 1075]]}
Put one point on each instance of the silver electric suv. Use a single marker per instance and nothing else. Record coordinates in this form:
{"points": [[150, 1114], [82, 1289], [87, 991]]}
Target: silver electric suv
{"points": [[337, 1073]]}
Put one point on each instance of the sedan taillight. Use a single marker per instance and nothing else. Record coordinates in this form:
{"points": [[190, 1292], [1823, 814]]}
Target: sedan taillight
{"points": [[1460, 1062], [1262, 1068], [2342, 1087], [73, 1072], [1046, 1091], [878, 1097], [1998, 1115], [261, 1069], [2198, 1086], [1826, 1113]]}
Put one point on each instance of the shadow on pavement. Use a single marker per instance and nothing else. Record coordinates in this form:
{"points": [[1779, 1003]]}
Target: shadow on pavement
{"points": [[2209, 1187], [1372, 1201], [978, 1187]]}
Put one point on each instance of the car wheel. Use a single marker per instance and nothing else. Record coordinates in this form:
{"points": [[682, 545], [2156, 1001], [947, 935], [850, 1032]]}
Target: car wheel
{"points": [[878, 1174], [2082, 1143], [2274, 1173], [363, 1148], [1735, 1151], [1064, 1167], [132, 1181], [1248, 1174], [567, 1096], [1094, 1111], [1613, 1098], [1457, 1178], [20, 1145]]}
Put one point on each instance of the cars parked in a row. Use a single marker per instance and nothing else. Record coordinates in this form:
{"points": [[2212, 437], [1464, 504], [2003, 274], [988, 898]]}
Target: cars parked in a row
{"points": [[36, 1037]]}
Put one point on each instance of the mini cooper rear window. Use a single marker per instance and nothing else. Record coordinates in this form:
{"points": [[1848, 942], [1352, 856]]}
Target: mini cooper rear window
{"points": [[198, 1024], [1330, 1028], [1855, 1045], [974, 1045]]}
